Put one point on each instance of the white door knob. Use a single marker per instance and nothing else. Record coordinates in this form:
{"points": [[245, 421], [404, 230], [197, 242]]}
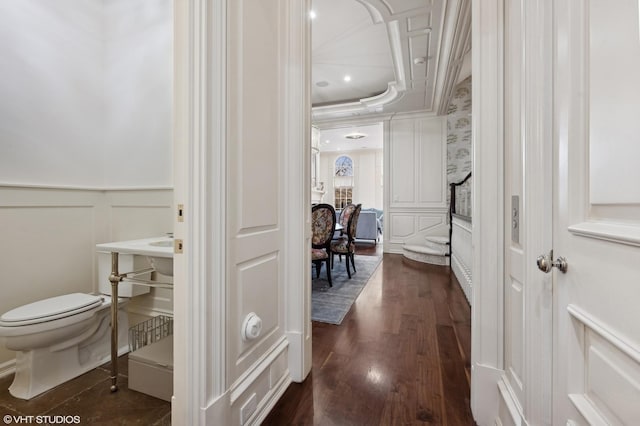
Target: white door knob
{"points": [[251, 327]]}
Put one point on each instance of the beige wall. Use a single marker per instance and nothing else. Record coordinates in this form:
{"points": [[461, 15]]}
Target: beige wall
{"points": [[368, 176]]}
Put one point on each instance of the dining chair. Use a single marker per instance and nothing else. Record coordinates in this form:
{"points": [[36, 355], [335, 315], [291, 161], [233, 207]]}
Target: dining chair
{"points": [[346, 244], [323, 225]]}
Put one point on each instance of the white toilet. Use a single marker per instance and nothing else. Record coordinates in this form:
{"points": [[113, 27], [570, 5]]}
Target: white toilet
{"points": [[60, 338]]}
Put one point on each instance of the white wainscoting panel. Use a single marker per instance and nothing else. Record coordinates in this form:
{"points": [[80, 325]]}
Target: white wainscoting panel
{"points": [[415, 167], [417, 163], [49, 237], [611, 365], [411, 227], [403, 169], [142, 214], [402, 226], [48, 240], [258, 292]]}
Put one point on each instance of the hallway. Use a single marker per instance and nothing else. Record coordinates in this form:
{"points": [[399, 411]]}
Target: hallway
{"points": [[401, 356]]}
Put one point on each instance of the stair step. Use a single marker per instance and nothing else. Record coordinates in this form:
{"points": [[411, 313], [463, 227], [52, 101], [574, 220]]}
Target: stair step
{"points": [[437, 239], [423, 249], [425, 254]]}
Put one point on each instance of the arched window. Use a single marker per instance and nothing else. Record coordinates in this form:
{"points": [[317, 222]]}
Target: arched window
{"points": [[343, 181]]}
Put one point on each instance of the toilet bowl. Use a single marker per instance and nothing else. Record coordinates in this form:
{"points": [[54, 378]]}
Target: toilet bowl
{"points": [[60, 338]]}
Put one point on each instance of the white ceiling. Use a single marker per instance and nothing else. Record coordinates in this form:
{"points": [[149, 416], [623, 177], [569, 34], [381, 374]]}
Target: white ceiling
{"points": [[335, 140], [346, 42], [402, 55]]}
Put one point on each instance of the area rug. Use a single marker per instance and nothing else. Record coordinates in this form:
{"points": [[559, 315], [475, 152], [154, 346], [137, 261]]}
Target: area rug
{"points": [[331, 304]]}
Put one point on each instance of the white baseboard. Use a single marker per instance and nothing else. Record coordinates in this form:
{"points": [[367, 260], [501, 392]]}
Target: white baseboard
{"points": [[7, 368], [266, 380], [515, 416], [271, 399], [485, 393], [463, 275]]}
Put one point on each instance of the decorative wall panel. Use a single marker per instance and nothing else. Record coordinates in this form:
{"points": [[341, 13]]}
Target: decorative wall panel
{"points": [[415, 205], [610, 365], [614, 128], [258, 290]]}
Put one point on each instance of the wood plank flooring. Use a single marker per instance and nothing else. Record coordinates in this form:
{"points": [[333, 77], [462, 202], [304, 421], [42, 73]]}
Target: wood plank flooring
{"points": [[89, 397], [401, 356]]}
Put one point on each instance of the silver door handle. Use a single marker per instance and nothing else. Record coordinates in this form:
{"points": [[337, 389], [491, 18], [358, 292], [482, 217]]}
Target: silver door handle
{"points": [[546, 263]]}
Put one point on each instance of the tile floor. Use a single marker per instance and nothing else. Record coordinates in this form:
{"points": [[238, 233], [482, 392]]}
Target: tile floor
{"points": [[88, 396]]}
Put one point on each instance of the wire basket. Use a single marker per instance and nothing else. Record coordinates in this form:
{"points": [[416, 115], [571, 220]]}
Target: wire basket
{"points": [[150, 331]]}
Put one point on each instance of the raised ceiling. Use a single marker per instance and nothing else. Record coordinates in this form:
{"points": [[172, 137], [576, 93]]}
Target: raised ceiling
{"points": [[336, 139], [401, 55], [346, 43]]}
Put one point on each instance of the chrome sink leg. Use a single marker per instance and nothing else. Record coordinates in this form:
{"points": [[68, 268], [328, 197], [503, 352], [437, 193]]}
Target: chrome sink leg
{"points": [[115, 279]]}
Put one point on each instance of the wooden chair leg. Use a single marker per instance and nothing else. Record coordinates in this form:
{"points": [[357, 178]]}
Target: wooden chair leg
{"points": [[352, 256], [318, 267], [329, 272], [347, 263]]}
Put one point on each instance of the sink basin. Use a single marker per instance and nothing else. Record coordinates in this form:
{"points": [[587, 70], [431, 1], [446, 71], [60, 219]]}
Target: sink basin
{"points": [[158, 250]]}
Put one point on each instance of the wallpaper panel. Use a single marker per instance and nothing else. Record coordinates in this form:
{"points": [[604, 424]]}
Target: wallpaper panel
{"points": [[459, 143]]}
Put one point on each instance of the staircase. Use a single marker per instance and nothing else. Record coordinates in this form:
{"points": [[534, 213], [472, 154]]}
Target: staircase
{"points": [[435, 251]]}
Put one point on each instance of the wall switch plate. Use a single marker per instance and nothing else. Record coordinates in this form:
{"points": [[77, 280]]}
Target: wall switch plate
{"points": [[515, 219]]}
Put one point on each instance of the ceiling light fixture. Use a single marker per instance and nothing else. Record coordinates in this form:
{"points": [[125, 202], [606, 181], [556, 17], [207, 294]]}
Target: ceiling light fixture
{"points": [[419, 60], [347, 78], [312, 14], [355, 135]]}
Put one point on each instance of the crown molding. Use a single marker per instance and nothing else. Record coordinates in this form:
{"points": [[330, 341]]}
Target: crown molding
{"points": [[456, 44]]}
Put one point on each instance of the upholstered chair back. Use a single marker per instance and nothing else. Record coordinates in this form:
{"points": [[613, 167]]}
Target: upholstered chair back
{"points": [[323, 225]]}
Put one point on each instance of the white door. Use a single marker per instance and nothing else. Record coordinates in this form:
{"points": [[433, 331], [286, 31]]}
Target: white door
{"points": [[597, 212]]}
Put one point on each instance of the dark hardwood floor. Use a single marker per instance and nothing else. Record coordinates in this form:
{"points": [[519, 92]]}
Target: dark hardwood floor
{"points": [[88, 397], [401, 356]]}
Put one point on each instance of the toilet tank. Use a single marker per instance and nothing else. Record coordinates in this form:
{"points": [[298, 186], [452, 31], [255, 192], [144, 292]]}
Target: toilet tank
{"points": [[126, 263]]}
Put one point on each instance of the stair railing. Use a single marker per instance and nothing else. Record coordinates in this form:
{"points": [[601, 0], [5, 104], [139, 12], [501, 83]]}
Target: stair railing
{"points": [[452, 205]]}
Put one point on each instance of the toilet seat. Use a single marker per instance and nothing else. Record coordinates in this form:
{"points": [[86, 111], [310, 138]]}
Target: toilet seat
{"points": [[50, 309]]}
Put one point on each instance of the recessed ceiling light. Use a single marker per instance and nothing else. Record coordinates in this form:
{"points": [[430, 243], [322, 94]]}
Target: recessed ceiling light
{"points": [[327, 141], [355, 135], [312, 14], [347, 78]]}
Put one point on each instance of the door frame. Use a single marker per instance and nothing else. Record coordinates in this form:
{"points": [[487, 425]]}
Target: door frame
{"points": [[490, 396], [487, 300]]}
